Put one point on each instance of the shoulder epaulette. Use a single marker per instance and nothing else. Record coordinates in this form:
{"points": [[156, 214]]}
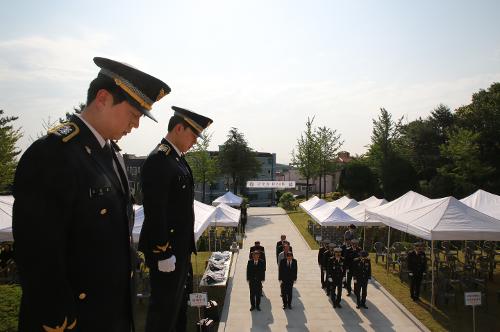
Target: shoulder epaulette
{"points": [[165, 149], [66, 131]]}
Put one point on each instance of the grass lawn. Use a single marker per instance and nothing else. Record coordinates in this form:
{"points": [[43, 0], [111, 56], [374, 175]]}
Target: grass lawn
{"points": [[449, 317], [10, 298]]}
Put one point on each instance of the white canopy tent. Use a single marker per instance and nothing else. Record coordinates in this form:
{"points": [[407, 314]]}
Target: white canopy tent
{"points": [[226, 216], [6, 204], [443, 219], [484, 202], [344, 203], [203, 215], [396, 206], [312, 203], [372, 202], [359, 211], [327, 215], [228, 198]]}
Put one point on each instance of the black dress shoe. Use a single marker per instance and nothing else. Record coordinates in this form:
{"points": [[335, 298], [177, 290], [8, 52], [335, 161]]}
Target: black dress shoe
{"points": [[364, 306], [289, 306], [252, 308], [335, 305], [357, 306], [338, 305], [258, 308], [284, 307], [348, 293]]}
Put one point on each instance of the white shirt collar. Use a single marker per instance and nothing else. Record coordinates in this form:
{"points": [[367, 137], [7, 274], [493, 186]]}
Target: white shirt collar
{"points": [[175, 148], [98, 136]]}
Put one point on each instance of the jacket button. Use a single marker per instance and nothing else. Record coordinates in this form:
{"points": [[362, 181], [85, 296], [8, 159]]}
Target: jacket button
{"points": [[103, 211], [82, 296]]}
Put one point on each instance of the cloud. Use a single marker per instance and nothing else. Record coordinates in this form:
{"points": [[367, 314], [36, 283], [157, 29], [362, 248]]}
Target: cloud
{"points": [[42, 58]]}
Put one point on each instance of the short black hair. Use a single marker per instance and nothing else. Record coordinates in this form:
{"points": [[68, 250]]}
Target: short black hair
{"points": [[174, 121], [108, 84], [288, 254]]}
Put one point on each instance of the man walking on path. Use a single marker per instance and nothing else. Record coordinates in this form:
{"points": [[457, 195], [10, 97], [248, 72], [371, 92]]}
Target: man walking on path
{"points": [[336, 272], [351, 254], [256, 274], [287, 276], [362, 272], [280, 244], [322, 266]]}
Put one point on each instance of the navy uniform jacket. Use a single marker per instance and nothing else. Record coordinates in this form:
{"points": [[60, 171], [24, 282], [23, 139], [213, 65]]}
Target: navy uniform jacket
{"points": [[321, 253], [417, 263], [336, 269], [168, 190], [71, 225], [255, 273], [350, 255], [362, 269], [285, 273]]}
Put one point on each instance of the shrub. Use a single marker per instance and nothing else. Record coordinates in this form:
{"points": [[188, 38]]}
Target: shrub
{"points": [[286, 201]]}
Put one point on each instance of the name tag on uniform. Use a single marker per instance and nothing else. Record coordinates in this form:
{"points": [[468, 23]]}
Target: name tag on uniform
{"points": [[97, 192]]}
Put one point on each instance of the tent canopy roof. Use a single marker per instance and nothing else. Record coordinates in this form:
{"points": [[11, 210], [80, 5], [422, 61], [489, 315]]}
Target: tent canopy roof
{"points": [[344, 202], [484, 202], [228, 198], [312, 203], [444, 219], [372, 202], [327, 215], [226, 216]]}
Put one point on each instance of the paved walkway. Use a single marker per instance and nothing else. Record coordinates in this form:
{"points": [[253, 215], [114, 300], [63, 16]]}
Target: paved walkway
{"points": [[312, 309]]}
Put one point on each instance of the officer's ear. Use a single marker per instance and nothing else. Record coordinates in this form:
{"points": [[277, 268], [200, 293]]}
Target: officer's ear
{"points": [[103, 99]]}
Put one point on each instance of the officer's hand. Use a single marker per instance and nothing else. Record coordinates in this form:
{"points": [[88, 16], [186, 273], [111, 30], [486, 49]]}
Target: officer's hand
{"points": [[330, 279], [410, 274], [355, 281], [347, 271], [167, 265], [343, 279]]}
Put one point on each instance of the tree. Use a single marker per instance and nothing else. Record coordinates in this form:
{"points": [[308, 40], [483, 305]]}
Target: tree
{"points": [[358, 180], [396, 174], [466, 169], [203, 165], [238, 160], [306, 157], [328, 145], [8, 151]]}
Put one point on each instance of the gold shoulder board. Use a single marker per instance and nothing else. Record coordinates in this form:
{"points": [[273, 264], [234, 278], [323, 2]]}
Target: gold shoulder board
{"points": [[164, 148], [66, 131]]}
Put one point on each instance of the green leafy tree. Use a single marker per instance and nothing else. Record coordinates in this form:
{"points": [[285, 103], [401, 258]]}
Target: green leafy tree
{"points": [[466, 169], [286, 200], [328, 145], [203, 165], [8, 151], [396, 174], [358, 180], [237, 160], [306, 155]]}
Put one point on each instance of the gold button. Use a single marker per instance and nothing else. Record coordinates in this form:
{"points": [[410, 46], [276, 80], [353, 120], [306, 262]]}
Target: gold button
{"points": [[104, 211], [82, 296]]}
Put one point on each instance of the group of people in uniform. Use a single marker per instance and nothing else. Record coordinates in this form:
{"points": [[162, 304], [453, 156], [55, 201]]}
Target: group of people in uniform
{"points": [[340, 266], [73, 213], [256, 272]]}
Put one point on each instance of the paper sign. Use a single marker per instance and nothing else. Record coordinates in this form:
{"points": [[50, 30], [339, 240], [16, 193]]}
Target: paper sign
{"points": [[473, 298], [198, 299]]}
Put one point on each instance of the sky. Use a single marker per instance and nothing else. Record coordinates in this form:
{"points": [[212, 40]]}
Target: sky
{"points": [[261, 66]]}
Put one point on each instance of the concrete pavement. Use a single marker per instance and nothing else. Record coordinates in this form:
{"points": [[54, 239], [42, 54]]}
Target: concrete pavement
{"points": [[312, 309]]}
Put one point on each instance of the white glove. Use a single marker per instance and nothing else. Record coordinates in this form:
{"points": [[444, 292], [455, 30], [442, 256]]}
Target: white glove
{"points": [[167, 265], [355, 280], [330, 279], [343, 279], [410, 274]]}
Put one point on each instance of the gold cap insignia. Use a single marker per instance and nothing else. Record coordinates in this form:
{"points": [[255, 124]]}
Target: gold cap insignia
{"points": [[161, 94]]}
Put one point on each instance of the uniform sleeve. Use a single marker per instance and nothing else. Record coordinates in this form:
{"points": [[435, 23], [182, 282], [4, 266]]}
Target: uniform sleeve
{"points": [[44, 191], [155, 238], [248, 270]]}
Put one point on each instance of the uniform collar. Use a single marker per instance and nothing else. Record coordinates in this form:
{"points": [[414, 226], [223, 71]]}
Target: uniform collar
{"points": [[175, 148], [98, 136]]}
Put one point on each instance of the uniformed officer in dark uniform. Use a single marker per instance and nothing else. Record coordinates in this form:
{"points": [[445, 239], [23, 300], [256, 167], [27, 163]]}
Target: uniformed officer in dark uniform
{"points": [[287, 276], [362, 273], [280, 244], [167, 235], [350, 254], [336, 272], [326, 260], [417, 267], [256, 274], [321, 263], [72, 215]]}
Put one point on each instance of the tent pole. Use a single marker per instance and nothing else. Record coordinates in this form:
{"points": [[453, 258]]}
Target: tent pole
{"points": [[388, 245], [364, 237], [432, 281]]}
